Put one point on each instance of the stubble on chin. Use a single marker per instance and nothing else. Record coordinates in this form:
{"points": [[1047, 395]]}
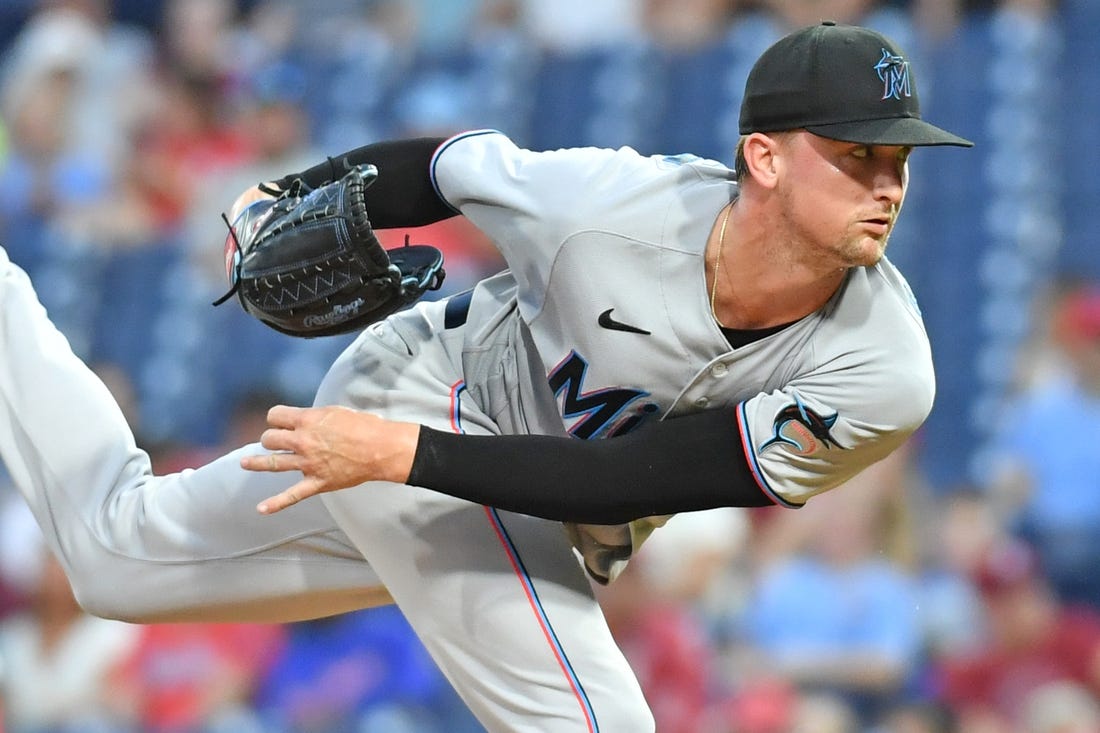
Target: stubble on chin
{"points": [[863, 252]]}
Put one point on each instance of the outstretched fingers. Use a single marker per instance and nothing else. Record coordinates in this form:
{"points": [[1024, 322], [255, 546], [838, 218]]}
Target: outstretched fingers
{"points": [[285, 416], [334, 448], [275, 463], [271, 462], [304, 489], [282, 441]]}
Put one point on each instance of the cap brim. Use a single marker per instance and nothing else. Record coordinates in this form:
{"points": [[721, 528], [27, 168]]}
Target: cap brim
{"points": [[890, 131]]}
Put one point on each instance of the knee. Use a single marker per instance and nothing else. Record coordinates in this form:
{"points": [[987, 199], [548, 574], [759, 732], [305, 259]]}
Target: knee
{"points": [[105, 600], [54, 578], [110, 590]]}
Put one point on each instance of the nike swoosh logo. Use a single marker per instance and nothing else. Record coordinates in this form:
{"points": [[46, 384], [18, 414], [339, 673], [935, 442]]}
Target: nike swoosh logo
{"points": [[606, 321]]}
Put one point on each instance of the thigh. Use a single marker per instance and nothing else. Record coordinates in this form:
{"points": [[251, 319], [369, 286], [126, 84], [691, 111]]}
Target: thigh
{"points": [[499, 599], [186, 546]]}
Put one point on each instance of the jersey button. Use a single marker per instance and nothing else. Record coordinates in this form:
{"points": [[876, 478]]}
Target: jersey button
{"points": [[702, 402], [719, 370]]}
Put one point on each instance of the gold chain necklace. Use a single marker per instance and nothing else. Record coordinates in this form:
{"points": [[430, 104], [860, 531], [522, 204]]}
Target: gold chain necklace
{"points": [[718, 263]]}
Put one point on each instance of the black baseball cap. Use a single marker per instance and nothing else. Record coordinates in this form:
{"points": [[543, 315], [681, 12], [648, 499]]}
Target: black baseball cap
{"points": [[841, 82]]}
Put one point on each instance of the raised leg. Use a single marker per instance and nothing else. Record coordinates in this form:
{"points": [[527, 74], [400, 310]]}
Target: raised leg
{"points": [[138, 547]]}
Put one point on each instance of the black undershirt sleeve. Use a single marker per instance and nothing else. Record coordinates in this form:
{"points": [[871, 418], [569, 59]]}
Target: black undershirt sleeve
{"points": [[685, 464], [403, 195]]}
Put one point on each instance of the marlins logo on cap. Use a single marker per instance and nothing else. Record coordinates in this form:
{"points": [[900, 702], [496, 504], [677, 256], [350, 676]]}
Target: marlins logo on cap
{"points": [[893, 70]]}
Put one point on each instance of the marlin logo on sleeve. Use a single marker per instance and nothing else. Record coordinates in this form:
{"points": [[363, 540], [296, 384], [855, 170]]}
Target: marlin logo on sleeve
{"points": [[801, 429], [893, 70]]}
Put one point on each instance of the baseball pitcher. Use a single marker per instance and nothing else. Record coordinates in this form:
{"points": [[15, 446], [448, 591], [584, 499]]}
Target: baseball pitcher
{"points": [[671, 335]]}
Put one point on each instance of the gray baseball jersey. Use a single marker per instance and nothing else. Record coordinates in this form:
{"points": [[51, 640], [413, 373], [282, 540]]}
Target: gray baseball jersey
{"points": [[602, 322], [606, 254]]}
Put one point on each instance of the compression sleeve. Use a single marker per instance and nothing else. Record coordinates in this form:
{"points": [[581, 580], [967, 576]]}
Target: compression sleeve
{"points": [[403, 195], [685, 464]]}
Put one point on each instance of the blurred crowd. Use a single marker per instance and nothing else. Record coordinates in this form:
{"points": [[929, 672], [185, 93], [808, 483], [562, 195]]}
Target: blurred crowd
{"points": [[895, 604]]}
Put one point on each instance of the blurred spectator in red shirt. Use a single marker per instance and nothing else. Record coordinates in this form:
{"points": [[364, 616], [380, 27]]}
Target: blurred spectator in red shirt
{"points": [[194, 677], [1035, 641], [191, 138], [667, 648], [271, 103], [659, 613]]}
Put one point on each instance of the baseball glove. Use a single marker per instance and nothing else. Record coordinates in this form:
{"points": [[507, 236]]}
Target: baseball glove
{"points": [[307, 262]]}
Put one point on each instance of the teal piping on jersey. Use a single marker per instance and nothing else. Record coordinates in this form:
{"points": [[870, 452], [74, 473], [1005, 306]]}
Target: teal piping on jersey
{"points": [[456, 405], [544, 622], [528, 586], [754, 465], [439, 151]]}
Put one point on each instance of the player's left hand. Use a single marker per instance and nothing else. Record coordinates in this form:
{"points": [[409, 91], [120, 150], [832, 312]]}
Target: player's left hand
{"points": [[248, 196], [334, 448]]}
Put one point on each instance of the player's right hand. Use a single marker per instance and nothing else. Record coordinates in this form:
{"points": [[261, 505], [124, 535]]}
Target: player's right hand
{"points": [[334, 448]]}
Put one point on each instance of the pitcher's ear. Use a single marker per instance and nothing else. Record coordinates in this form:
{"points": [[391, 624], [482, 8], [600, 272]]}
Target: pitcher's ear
{"points": [[761, 152]]}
